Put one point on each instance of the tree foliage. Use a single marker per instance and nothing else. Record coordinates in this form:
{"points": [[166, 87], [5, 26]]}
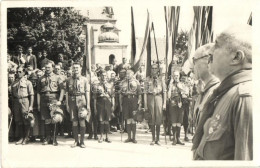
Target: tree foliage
{"points": [[55, 30]]}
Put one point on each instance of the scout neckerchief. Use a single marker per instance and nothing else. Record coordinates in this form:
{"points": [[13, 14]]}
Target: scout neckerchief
{"points": [[235, 78], [75, 83]]}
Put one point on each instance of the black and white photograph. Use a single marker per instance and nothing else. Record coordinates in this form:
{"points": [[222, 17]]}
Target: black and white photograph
{"points": [[92, 84]]}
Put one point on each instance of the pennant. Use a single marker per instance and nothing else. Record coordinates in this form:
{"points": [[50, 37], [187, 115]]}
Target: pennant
{"points": [[149, 55], [137, 65], [133, 41]]}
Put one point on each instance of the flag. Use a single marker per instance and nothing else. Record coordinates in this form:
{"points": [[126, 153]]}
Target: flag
{"points": [[133, 42], [172, 22], [250, 19], [137, 65], [85, 67], [200, 33], [155, 44], [149, 55]]}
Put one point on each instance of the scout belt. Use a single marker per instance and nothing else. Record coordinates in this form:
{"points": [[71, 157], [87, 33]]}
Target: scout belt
{"points": [[130, 96], [48, 92], [21, 97], [155, 94], [77, 94]]}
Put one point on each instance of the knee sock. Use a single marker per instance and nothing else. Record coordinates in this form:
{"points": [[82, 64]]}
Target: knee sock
{"points": [[153, 132], [133, 130], [75, 133], [82, 133], [157, 132]]}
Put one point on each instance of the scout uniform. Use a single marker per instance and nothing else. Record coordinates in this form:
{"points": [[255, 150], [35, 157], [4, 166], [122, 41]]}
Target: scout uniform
{"points": [[103, 96], [175, 112], [48, 87], [93, 118], [36, 130], [77, 89], [228, 132], [155, 91], [186, 98], [22, 90], [130, 91]]}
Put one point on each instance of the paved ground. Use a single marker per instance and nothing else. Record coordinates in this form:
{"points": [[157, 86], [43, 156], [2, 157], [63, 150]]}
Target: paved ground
{"points": [[115, 154]]}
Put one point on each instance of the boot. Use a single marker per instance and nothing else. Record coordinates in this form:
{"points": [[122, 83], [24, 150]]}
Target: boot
{"points": [[133, 128], [178, 136], [101, 133], [185, 132], [95, 124], [128, 129], [153, 134], [19, 142], [27, 133], [107, 130], [55, 143], [173, 135], [82, 133], [20, 131], [90, 136], [157, 134], [46, 141], [76, 136]]}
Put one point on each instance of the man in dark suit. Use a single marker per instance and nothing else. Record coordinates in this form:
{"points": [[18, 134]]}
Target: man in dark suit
{"points": [[31, 59]]}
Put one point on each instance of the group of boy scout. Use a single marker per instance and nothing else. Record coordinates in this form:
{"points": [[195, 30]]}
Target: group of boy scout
{"points": [[101, 98]]}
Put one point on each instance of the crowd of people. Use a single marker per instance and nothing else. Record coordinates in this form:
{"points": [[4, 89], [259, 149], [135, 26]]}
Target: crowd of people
{"points": [[214, 99]]}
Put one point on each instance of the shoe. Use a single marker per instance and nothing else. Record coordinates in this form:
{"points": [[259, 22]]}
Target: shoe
{"points": [[26, 141], [90, 137], [128, 140], [75, 144], [45, 142], [186, 139], [152, 143], [107, 140], [96, 137], [134, 141], [100, 140], [179, 142], [11, 139], [82, 145], [19, 142], [55, 143], [157, 143]]}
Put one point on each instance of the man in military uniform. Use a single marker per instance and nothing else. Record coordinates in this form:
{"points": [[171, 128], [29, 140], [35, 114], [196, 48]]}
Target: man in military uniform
{"points": [[48, 90], [22, 95], [227, 120], [130, 100], [175, 106], [104, 104], [155, 102], [78, 88]]}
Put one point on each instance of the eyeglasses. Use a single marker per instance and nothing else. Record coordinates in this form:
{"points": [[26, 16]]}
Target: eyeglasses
{"points": [[19, 71], [196, 59]]}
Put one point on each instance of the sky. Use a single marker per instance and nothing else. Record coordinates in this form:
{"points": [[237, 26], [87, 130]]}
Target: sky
{"points": [[224, 15]]}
